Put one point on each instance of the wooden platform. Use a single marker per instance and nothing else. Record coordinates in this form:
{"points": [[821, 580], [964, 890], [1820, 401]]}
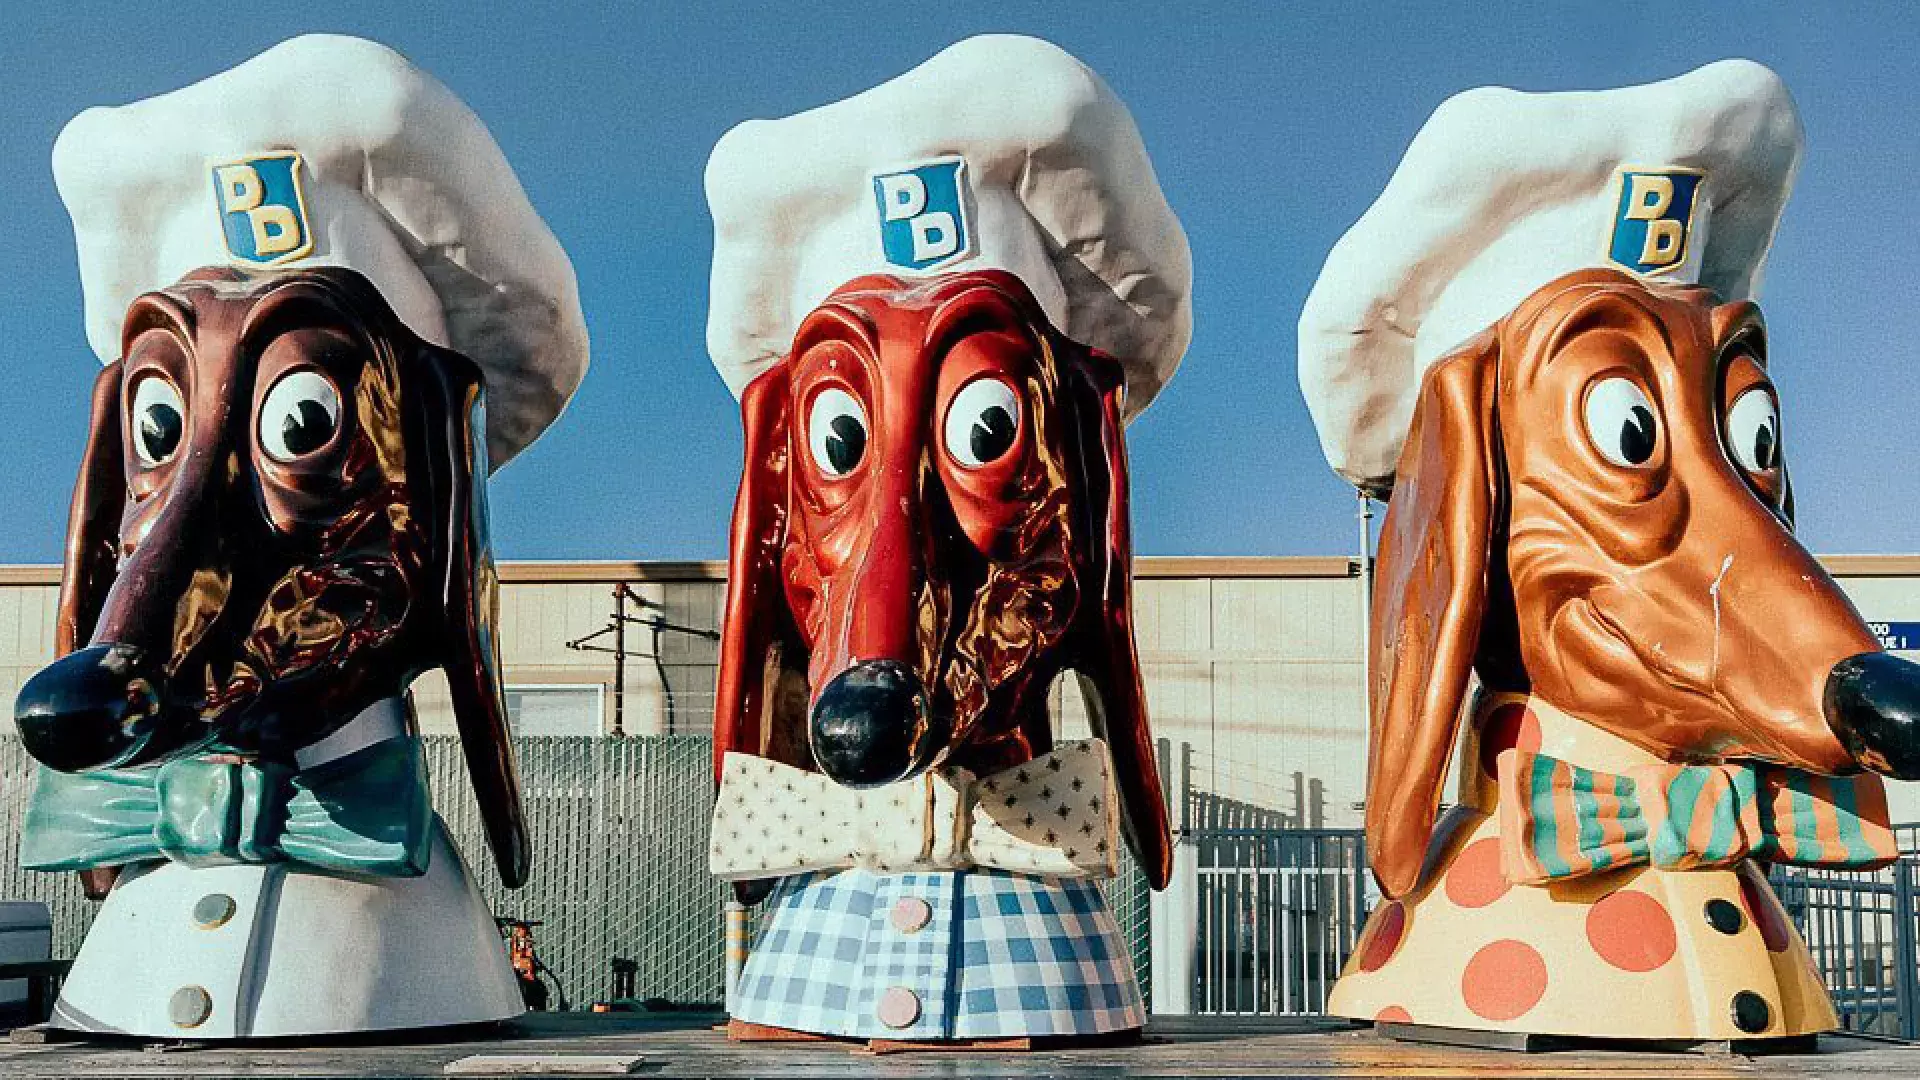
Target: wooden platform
{"points": [[686, 1045]]}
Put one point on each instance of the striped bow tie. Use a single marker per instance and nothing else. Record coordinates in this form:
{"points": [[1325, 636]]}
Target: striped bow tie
{"points": [[1055, 815], [366, 813], [1558, 820]]}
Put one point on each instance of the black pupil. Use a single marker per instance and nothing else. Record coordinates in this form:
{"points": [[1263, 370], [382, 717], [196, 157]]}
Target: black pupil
{"points": [[846, 442], [992, 433], [160, 431], [306, 427], [1636, 435], [1764, 447]]}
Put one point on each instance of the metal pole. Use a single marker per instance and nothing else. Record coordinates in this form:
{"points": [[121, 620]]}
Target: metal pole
{"points": [[736, 947], [1365, 516], [1906, 958], [619, 659]]}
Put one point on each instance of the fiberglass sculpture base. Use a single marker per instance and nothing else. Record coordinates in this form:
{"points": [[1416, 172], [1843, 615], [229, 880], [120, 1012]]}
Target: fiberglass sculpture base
{"points": [[374, 925], [1590, 513], [1468, 948], [931, 529], [280, 522]]}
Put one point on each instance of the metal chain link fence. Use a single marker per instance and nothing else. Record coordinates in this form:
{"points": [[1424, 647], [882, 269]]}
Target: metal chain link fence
{"points": [[619, 836]]}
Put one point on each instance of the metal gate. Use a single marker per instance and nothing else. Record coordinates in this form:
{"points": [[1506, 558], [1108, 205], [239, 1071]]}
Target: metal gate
{"points": [[1860, 930], [1279, 910]]}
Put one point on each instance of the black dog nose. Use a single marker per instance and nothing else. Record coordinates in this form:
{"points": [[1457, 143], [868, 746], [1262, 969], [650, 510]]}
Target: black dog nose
{"points": [[92, 709], [873, 725], [1873, 704]]}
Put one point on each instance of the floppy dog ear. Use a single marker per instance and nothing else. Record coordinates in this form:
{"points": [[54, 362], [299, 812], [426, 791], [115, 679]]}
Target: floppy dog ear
{"points": [[93, 522], [457, 456], [759, 654], [93, 548], [1103, 653], [1430, 595]]}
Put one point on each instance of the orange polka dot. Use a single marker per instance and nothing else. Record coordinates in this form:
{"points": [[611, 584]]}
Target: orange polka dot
{"points": [[1764, 910], [1632, 931], [1504, 980], [1510, 725], [1475, 878], [1383, 935], [1393, 1014]]}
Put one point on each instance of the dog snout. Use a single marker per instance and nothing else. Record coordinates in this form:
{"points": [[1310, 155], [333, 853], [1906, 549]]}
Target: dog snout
{"points": [[1873, 703], [874, 725], [98, 707]]}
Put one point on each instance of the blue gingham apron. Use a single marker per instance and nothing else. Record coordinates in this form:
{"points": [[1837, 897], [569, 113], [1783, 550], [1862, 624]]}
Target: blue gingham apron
{"points": [[1004, 955]]}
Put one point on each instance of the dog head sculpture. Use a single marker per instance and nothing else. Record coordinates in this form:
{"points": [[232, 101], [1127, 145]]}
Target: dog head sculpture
{"points": [[931, 526], [1592, 505], [279, 520]]}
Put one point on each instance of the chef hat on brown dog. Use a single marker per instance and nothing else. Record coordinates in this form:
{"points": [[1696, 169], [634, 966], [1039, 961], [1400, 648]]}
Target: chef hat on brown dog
{"points": [[332, 151], [1503, 191]]}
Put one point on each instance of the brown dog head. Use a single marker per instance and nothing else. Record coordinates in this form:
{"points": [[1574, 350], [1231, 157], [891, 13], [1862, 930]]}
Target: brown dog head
{"points": [[280, 519], [1592, 506], [932, 525]]}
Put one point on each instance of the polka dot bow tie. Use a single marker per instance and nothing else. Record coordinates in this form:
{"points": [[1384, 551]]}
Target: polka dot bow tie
{"points": [[1558, 820], [1055, 815]]}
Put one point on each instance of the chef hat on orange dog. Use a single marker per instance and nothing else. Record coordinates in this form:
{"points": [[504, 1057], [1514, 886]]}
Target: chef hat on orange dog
{"points": [[1000, 152], [332, 151], [1501, 192]]}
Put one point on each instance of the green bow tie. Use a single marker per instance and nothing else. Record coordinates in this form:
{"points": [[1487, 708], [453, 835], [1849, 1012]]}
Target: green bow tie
{"points": [[366, 813]]}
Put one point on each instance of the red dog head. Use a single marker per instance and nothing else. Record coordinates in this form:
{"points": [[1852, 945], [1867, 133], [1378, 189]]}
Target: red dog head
{"points": [[932, 525]]}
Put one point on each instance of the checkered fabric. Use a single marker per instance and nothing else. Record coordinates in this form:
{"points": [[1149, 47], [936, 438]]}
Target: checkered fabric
{"points": [[1002, 955]]}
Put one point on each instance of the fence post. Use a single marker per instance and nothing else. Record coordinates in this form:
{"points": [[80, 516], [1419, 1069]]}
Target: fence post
{"points": [[736, 948], [1174, 913], [1906, 963]]}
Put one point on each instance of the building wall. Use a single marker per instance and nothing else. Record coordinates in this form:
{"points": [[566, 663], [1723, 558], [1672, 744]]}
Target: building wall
{"points": [[1253, 665]]}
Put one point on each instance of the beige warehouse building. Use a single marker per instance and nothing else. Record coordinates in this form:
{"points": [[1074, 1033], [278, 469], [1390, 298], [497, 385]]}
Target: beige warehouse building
{"points": [[1252, 665]]}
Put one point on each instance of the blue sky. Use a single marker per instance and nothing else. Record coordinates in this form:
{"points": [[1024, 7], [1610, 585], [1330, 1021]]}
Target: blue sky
{"points": [[1272, 127]]}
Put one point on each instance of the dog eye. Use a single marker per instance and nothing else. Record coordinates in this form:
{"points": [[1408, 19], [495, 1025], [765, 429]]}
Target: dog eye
{"points": [[1620, 422], [159, 420], [300, 415], [836, 432], [982, 422], [1753, 430]]}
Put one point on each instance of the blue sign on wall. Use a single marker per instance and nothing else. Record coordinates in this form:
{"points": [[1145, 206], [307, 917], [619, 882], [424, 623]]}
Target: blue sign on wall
{"points": [[1896, 636]]}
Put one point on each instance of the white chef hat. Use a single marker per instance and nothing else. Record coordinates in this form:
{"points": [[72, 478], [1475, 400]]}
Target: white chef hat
{"points": [[1501, 192], [1000, 152], [332, 151]]}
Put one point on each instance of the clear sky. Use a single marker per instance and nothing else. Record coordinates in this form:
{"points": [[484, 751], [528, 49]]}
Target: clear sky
{"points": [[1272, 126]]}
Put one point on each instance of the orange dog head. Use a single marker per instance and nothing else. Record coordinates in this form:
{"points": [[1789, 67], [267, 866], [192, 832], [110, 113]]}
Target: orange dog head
{"points": [[1592, 506]]}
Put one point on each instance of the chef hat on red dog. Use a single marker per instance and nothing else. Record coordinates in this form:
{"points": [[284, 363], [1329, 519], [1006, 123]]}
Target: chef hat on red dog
{"points": [[1000, 152], [332, 151], [1501, 192]]}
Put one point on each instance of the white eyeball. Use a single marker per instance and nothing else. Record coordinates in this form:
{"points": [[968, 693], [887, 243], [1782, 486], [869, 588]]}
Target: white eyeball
{"points": [[299, 416], [836, 432], [1621, 423], [1753, 430], [159, 420], [982, 422]]}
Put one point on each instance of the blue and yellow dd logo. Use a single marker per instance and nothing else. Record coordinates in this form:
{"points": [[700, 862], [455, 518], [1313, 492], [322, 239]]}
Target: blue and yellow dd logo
{"points": [[1654, 219], [923, 214], [263, 212]]}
